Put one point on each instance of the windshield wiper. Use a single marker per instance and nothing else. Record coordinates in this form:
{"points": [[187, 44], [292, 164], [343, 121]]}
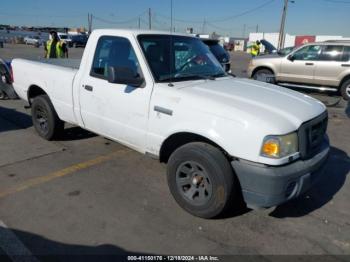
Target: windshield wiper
{"points": [[205, 77], [186, 76], [219, 75]]}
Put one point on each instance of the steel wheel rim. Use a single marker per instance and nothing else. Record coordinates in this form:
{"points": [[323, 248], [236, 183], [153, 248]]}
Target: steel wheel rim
{"points": [[193, 183], [42, 119], [347, 90]]}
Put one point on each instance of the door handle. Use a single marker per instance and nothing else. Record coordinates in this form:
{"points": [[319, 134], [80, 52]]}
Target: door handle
{"points": [[345, 65], [88, 88], [309, 64]]}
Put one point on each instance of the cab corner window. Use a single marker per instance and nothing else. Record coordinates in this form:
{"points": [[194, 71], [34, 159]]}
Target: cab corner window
{"points": [[116, 52]]}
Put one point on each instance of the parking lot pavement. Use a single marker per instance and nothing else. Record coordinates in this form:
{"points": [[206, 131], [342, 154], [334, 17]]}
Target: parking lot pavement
{"points": [[84, 194]]}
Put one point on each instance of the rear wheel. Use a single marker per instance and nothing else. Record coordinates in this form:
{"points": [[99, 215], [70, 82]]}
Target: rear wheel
{"points": [[345, 90], [264, 75], [45, 119], [201, 179]]}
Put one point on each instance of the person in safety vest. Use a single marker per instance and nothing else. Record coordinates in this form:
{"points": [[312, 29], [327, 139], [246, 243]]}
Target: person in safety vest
{"points": [[255, 49], [55, 48]]}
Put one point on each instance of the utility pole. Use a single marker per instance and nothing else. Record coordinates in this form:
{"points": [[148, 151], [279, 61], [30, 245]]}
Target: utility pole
{"points": [[244, 30], [89, 23], [203, 27], [281, 37], [139, 23], [149, 19], [257, 28]]}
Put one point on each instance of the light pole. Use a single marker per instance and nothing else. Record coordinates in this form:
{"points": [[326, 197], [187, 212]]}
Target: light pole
{"points": [[281, 36]]}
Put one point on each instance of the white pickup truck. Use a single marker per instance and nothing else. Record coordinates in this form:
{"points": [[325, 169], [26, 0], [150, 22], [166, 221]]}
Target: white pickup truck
{"points": [[165, 95]]}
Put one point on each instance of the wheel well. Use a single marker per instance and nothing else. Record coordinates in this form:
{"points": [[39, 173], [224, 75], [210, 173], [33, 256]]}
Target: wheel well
{"points": [[346, 78], [33, 92], [262, 67], [177, 140]]}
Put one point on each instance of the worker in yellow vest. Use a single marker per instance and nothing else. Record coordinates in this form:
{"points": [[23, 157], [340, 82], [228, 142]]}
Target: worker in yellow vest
{"points": [[255, 49], [55, 48]]}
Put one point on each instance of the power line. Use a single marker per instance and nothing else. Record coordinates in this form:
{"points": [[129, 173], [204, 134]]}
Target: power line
{"points": [[127, 21], [224, 18], [244, 13], [337, 1]]}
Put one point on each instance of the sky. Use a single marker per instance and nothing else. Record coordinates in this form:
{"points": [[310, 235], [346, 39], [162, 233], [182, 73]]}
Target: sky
{"points": [[226, 17]]}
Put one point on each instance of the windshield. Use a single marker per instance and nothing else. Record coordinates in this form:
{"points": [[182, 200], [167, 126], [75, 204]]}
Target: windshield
{"points": [[187, 58]]}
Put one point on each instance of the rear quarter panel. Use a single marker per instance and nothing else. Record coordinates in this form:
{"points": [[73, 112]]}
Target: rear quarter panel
{"points": [[56, 81]]}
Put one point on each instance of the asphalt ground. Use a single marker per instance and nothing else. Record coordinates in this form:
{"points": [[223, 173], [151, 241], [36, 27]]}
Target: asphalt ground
{"points": [[86, 195]]}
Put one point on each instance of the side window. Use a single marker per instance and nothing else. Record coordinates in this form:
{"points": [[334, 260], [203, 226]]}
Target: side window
{"points": [[310, 52], [113, 51], [332, 53], [346, 54]]}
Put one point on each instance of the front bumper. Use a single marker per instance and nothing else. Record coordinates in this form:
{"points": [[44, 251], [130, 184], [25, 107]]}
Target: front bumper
{"points": [[267, 186]]}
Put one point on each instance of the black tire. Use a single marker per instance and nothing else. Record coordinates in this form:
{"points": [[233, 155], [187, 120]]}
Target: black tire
{"points": [[345, 90], [260, 73], [3, 95], [208, 188], [45, 118]]}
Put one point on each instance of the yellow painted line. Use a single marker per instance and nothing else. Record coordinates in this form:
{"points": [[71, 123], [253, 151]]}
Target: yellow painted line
{"points": [[61, 173]]}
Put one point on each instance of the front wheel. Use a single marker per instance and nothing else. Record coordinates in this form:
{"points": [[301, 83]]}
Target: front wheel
{"points": [[45, 119], [2, 95], [201, 179], [345, 90], [264, 75]]}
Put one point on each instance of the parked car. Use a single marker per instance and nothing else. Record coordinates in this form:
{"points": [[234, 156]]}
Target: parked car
{"points": [[165, 96], [33, 40], [6, 89], [78, 41], [65, 38], [320, 66], [219, 52]]}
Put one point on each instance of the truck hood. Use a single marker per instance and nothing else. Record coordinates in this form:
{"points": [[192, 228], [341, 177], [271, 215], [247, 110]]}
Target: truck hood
{"points": [[250, 102]]}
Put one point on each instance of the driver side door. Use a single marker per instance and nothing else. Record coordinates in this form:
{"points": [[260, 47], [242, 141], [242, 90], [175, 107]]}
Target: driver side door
{"points": [[117, 111], [299, 67]]}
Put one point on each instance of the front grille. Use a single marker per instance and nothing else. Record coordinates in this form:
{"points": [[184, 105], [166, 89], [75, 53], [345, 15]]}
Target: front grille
{"points": [[311, 135]]}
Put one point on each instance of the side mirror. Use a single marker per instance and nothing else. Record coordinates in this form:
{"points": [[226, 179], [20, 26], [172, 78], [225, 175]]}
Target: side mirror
{"points": [[124, 76], [291, 58]]}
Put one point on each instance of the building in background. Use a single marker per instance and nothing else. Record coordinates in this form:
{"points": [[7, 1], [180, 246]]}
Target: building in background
{"points": [[292, 40]]}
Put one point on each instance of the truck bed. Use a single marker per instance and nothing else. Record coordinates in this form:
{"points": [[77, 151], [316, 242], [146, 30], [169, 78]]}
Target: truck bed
{"points": [[70, 63]]}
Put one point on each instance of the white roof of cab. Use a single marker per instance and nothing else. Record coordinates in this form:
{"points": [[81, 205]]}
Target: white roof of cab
{"points": [[135, 32]]}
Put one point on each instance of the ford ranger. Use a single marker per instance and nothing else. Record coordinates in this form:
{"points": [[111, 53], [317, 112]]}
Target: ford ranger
{"points": [[165, 95]]}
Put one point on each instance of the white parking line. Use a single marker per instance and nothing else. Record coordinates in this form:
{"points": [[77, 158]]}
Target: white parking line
{"points": [[13, 247]]}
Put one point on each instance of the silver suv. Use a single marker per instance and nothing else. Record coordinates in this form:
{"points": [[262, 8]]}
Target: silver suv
{"points": [[324, 66]]}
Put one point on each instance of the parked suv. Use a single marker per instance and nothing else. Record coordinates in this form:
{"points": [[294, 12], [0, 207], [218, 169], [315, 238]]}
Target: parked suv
{"points": [[323, 66], [78, 40], [219, 52]]}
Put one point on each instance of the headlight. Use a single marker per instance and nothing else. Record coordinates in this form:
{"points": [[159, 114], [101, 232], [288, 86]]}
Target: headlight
{"points": [[280, 146]]}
